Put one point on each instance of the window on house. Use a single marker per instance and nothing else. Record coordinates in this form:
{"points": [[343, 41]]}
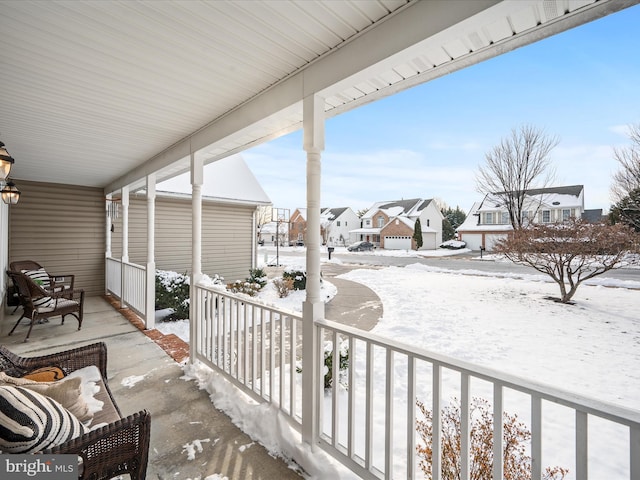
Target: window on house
{"points": [[367, 223], [428, 222], [338, 223], [546, 216], [488, 217], [566, 214], [380, 221], [505, 218]]}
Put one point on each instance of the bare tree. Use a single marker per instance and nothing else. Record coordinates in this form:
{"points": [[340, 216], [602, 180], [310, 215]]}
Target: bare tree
{"points": [[263, 216], [625, 189], [572, 251], [519, 163], [627, 178]]}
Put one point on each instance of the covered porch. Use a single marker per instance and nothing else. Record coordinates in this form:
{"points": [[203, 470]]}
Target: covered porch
{"points": [[221, 97]]}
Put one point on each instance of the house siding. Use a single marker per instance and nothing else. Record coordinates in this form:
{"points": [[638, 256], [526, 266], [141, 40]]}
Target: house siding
{"points": [[227, 238], [62, 227]]}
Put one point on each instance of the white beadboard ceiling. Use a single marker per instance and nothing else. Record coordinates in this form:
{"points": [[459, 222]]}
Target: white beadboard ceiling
{"points": [[102, 93]]}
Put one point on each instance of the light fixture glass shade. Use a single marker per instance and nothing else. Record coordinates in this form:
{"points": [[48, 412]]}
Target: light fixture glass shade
{"points": [[10, 193], [6, 161]]}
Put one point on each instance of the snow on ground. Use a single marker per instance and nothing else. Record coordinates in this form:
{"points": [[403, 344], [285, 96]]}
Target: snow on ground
{"points": [[500, 321]]}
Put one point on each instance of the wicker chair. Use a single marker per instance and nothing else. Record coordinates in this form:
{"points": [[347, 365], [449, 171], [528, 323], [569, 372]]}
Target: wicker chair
{"points": [[57, 283], [63, 301], [122, 446]]}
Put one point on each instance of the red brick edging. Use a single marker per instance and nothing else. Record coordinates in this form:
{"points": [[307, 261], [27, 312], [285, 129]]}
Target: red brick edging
{"points": [[175, 347]]}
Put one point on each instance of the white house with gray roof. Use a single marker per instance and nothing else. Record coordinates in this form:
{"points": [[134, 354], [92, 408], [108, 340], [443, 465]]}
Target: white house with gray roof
{"points": [[488, 220], [391, 224], [336, 224]]}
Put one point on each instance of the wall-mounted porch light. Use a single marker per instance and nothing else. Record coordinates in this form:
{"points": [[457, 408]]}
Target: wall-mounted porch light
{"points": [[10, 193], [6, 162]]}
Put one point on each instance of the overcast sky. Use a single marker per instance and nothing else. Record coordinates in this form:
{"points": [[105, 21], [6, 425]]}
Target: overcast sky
{"points": [[582, 86]]}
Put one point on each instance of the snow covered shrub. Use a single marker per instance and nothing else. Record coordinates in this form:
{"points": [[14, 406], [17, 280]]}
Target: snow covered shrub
{"points": [[343, 356], [283, 286], [244, 286], [517, 464], [258, 275], [172, 291], [299, 278]]}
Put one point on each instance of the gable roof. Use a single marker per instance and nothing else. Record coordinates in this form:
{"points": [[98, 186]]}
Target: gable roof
{"points": [[333, 213], [392, 208]]}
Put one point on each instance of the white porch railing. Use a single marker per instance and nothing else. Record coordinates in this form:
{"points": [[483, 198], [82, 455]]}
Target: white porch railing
{"points": [[367, 421], [134, 279]]}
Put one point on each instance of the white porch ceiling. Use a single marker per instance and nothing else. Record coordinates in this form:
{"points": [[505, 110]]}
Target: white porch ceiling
{"points": [[103, 93]]}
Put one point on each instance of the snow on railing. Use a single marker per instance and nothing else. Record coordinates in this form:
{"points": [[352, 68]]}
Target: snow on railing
{"points": [[367, 416]]}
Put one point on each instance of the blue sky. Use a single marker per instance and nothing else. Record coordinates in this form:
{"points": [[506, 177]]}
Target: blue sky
{"points": [[582, 85]]}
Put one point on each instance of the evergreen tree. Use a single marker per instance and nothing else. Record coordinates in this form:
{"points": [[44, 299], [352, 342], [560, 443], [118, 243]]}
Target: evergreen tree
{"points": [[627, 210], [452, 220], [417, 234]]}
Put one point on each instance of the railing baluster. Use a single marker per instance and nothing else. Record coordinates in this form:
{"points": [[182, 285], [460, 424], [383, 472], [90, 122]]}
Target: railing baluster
{"points": [[411, 417], [351, 399], [498, 466], [272, 355], [388, 416], [582, 445], [436, 438], [293, 355], [536, 437], [634, 452], [335, 371], [283, 322], [369, 407], [465, 430]]}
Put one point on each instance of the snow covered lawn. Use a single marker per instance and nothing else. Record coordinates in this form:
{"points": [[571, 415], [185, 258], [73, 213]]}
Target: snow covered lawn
{"points": [[591, 348]]}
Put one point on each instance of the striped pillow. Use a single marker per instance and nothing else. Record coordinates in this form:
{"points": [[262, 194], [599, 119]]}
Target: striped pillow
{"points": [[31, 422], [41, 277]]}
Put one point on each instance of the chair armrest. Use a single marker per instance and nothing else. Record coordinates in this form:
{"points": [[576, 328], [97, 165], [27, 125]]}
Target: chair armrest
{"points": [[68, 360], [61, 281], [115, 449]]}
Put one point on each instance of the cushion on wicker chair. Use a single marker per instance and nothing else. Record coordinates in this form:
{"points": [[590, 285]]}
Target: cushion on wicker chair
{"points": [[41, 277], [44, 374], [68, 392], [31, 422]]}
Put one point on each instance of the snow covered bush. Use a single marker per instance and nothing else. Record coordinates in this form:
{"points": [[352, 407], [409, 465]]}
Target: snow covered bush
{"points": [[283, 286], [343, 356], [517, 464], [172, 291], [258, 275], [299, 278]]}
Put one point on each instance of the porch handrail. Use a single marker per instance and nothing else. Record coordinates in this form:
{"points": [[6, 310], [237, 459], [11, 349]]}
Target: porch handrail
{"points": [[257, 347], [134, 279]]}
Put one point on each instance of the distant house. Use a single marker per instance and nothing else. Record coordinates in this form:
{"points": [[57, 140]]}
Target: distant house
{"points": [[488, 220], [298, 226], [336, 224], [391, 225]]}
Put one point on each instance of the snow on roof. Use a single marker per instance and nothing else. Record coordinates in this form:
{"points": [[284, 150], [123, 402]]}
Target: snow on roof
{"points": [[392, 208], [226, 179]]}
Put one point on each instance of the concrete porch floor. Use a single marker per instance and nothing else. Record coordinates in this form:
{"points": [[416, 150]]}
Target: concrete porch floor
{"points": [[144, 376]]}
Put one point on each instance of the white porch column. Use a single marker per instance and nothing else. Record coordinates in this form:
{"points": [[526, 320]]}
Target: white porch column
{"points": [[125, 243], [107, 247], [197, 179], [150, 297], [313, 306]]}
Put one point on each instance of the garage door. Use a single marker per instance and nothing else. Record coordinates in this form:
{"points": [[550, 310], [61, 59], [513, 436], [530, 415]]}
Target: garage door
{"points": [[397, 243], [491, 240], [473, 240]]}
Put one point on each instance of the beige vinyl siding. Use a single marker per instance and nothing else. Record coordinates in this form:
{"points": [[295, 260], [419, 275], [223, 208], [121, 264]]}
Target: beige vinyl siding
{"points": [[62, 227], [227, 235]]}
